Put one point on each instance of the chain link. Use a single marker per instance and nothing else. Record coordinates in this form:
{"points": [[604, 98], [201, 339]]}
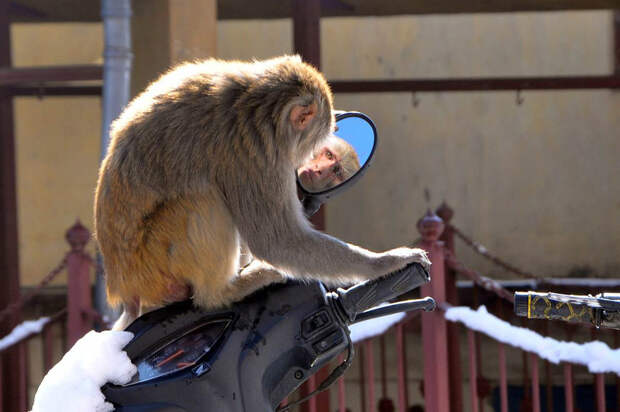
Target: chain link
{"points": [[486, 283], [23, 300], [480, 249]]}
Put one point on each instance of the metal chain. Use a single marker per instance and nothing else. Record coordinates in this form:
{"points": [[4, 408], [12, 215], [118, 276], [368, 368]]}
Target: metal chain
{"points": [[485, 253], [18, 304], [486, 283]]}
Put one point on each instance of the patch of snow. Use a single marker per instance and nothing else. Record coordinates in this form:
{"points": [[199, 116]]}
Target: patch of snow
{"points": [[596, 355], [373, 327], [73, 385], [22, 330]]}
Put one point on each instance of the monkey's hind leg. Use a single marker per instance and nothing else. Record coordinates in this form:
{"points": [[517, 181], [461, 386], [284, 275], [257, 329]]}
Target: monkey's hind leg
{"points": [[253, 277]]}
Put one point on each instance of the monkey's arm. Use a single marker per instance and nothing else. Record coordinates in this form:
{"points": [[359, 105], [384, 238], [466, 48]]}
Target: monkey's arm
{"points": [[278, 233]]}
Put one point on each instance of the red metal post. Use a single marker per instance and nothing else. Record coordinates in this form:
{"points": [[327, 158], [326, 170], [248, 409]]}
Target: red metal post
{"points": [[370, 373], [599, 385], [454, 353], [47, 348], [312, 401], [535, 383], [383, 368], [23, 353], [503, 382], [362, 377], [568, 388], [12, 368], [434, 327], [402, 363], [473, 384], [617, 42], [307, 43], [342, 396], [79, 301]]}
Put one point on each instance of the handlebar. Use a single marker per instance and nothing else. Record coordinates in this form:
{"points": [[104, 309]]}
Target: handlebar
{"points": [[600, 310], [364, 296], [534, 305]]}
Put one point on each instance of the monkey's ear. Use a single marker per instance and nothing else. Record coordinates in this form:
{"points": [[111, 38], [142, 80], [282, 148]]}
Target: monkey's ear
{"points": [[301, 116]]}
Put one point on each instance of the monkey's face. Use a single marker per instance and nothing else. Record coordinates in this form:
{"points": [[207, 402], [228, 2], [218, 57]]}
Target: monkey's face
{"points": [[323, 171]]}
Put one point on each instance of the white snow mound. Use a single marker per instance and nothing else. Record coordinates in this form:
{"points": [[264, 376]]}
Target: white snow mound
{"points": [[596, 355], [73, 385], [22, 330], [373, 327]]}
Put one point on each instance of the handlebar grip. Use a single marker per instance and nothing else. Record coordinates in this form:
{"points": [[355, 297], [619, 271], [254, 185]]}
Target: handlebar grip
{"points": [[366, 295], [534, 305]]}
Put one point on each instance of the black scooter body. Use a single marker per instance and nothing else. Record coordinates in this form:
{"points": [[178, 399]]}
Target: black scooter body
{"points": [[274, 340]]}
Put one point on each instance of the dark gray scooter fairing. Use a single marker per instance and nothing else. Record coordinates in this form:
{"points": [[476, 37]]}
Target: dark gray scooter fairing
{"points": [[263, 355]]}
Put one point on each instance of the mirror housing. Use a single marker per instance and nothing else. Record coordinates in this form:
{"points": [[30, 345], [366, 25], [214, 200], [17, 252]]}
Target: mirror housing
{"points": [[365, 149]]}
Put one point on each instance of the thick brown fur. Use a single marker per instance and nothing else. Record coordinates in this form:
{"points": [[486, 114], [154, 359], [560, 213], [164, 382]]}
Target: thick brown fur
{"points": [[204, 160]]}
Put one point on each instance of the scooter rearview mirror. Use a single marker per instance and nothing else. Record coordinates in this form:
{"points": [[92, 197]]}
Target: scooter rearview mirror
{"points": [[339, 162]]}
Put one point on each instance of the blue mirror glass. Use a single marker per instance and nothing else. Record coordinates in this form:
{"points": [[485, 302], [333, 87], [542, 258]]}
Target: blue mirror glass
{"points": [[341, 156]]}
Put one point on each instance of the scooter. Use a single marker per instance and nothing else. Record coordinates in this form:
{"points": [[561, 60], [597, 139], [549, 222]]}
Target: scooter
{"points": [[254, 354]]}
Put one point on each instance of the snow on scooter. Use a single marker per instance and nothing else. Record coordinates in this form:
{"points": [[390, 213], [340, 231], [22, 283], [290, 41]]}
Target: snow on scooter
{"points": [[252, 355]]}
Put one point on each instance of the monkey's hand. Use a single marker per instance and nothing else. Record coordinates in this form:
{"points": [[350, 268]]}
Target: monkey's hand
{"points": [[398, 258]]}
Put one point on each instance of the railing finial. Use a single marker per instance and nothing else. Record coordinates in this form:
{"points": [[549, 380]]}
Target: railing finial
{"points": [[430, 227], [77, 236], [445, 212]]}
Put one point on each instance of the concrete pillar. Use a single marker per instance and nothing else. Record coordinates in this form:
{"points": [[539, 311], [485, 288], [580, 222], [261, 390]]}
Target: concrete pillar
{"points": [[166, 32]]}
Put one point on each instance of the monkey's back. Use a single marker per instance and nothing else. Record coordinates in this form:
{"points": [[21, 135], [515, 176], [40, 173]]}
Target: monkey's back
{"points": [[180, 153]]}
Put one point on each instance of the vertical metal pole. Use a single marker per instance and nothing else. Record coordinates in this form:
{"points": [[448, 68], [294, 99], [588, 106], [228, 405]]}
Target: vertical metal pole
{"points": [[307, 43], [548, 376], [47, 348], [615, 332], [369, 357], [599, 384], [342, 396], [616, 24], [117, 57], [25, 354], [454, 354], [503, 384], [568, 388], [473, 385], [78, 284], [434, 325], [361, 350], [12, 367], [312, 401], [535, 383], [549, 386], [402, 363], [383, 367]]}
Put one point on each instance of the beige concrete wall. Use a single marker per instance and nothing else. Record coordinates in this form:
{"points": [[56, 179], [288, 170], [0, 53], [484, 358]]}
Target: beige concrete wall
{"points": [[57, 146], [537, 182]]}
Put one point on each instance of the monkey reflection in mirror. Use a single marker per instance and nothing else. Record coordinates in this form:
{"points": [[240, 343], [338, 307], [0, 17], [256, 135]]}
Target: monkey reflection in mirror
{"points": [[333, 163], [204, 161]]}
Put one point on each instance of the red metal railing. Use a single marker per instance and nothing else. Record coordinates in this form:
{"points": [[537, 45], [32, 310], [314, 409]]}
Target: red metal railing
{"points": [[437, 387], [77, 318]]}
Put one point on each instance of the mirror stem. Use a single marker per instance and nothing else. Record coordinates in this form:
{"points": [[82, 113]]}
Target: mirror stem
{"points": [[311, 205]]}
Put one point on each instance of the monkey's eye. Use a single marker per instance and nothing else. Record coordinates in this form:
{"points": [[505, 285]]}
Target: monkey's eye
{"points": [[337, 171], [329, 155]]}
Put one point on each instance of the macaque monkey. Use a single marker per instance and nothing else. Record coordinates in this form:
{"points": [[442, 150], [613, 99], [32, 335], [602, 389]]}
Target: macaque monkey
{"points": [[333, 163], [204, 161]]}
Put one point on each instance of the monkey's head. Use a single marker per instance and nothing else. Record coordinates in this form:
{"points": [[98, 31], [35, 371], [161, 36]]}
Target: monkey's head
{"points": [[299, 100]]}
